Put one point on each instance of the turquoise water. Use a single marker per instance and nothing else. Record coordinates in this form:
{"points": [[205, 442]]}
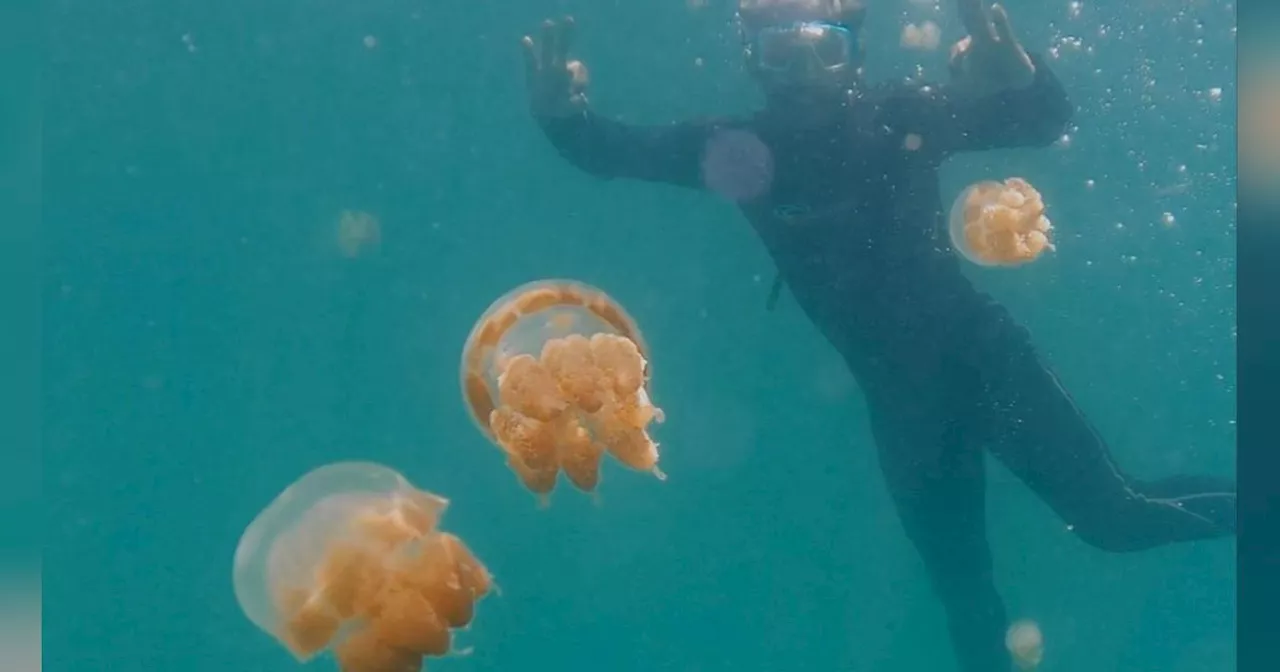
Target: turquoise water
{"points": [[206, 342]]}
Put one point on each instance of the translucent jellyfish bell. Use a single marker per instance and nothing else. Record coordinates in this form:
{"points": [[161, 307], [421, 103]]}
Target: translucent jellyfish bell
{"points": [[556, 374], [349, 558], [1026, 644], [1000, 224], [357, 233]]}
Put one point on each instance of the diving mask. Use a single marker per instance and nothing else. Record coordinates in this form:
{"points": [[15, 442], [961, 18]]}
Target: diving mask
{"points": [[809, 47]]}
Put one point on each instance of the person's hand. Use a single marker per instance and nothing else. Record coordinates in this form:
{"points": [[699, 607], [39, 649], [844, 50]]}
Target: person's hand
{"points": [[989, 60], [557, 85]]}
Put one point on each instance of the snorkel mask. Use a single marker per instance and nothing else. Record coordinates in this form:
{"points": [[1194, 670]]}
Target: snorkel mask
{"points": [[804, 50], [802, 42]]}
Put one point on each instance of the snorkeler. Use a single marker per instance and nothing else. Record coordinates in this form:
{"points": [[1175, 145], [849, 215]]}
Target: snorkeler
{"points": [[853, 219]]}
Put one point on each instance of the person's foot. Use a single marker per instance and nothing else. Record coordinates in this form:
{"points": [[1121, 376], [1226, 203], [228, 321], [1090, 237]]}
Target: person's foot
{"points": [[1206, 497]]}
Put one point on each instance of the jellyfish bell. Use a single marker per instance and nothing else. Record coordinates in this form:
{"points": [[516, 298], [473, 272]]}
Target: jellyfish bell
{"points": [[737, 165], [925, 36], [357, 233], [286, 537], [1025, 643], [516, 328], [1000, 223], [349, 558], [556, 374]]}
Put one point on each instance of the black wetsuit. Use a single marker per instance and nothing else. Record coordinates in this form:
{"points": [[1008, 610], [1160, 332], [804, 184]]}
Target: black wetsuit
{"points": [[854, 221]]}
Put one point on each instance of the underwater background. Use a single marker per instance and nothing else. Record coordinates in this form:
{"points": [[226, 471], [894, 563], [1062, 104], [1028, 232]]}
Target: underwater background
{"points": [[208, 339]]}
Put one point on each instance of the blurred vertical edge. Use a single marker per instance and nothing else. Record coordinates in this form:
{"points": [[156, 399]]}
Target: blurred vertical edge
{"points": [[1258, 328], [21, 515]]}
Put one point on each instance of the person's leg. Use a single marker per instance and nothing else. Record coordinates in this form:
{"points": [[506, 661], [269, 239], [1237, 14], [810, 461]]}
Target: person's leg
{"points": [[1040, 434], [936, 480]]}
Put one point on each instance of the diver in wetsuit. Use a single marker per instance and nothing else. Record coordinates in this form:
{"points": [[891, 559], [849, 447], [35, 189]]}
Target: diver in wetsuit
{"points": [[853, 220]]}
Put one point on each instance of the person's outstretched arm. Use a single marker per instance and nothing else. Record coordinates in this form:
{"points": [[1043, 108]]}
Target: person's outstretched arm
{"points": [[610, 149], [1000, 96], [1034, 116], [598, 145]]}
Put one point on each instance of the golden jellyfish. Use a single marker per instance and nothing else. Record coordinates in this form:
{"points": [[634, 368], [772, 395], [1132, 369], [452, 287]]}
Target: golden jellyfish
{"points": [[925, 36], [349, 559], [357, 233], [556, 374], [1025, 644], [1000, 223]]}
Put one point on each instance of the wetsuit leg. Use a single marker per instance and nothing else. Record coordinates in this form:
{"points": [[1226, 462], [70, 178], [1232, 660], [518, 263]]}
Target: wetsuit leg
{"points": [[935, 475], [1031, 424], [1040, 434]]}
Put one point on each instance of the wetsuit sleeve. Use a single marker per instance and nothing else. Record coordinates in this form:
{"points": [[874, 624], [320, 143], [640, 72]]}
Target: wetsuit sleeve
{"points": [[608, 148], [1035, 116]]}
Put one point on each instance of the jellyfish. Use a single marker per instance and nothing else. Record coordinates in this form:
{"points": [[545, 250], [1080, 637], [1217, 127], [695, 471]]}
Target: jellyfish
{"points": [[556, 375], [925, 36], [1025, 644], [1000, 224], [350, 559], [737, 165], [357, 233]]}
